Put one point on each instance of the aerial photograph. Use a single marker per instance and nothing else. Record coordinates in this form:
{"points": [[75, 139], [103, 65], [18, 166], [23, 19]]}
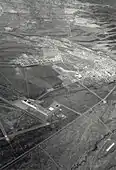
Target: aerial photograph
{"points": [[57, 84]]}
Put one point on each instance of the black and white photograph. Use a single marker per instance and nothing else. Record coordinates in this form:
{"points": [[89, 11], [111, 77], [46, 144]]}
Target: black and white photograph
{"points": [[57, 84]]}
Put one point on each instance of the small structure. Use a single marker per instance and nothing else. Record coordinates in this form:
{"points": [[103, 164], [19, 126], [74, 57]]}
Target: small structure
{"points": [[47, 114], [54, 106], [36, 109], [44, 114]]}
